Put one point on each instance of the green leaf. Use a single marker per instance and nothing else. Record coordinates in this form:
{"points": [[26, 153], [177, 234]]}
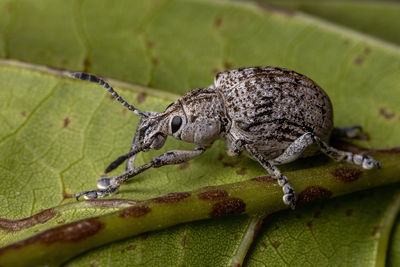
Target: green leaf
{"points": [[58, 134], [376, 18], [394, 249], [331, 233]]}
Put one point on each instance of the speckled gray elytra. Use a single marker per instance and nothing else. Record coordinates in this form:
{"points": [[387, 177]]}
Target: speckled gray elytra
{"points": [[274, 114]]}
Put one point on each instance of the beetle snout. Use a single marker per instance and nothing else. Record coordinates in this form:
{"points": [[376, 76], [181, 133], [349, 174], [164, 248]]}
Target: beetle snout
{"points": [[158, 141]]}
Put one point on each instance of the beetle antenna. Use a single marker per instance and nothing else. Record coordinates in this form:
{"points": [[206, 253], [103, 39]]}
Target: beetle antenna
{"points": [[121, 159], [91, 78]]}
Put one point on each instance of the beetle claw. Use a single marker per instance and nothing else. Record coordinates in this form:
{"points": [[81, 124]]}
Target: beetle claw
{"points": [[87, 194]]}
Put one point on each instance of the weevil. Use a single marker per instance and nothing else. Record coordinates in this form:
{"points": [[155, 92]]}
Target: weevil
{"points": [[276, 115]]}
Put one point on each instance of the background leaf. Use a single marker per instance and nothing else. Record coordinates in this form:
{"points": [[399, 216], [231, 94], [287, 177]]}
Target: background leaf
{"points": [[376, 18], [60, 138]]}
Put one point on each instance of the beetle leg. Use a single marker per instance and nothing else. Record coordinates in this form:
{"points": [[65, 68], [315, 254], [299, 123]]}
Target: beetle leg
{"points": [[109, 185], [364, 161], [295, 149], [289, 196], [130, 164]]}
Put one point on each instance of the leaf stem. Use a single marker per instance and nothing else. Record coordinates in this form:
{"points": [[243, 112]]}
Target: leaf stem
{"points": [[386, 229], [252, 229], [259, 195]]}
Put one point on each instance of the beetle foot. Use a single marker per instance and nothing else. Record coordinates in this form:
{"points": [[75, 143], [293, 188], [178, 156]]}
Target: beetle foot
{"points": [[364, 161], [105, 182], [92, 194], [289, 195], [369, 163]]}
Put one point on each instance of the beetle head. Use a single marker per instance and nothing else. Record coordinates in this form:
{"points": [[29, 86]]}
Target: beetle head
{"points": [[154, 128], [151, 131], [192, 121]]}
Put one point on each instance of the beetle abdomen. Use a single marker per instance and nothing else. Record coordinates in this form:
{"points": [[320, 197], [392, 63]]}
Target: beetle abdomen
{"points": [[274, 105]]}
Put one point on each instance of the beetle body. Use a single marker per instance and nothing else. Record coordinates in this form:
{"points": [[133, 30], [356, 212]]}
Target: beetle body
{"points": [[272, 107], [266, 106], [274, 114]]}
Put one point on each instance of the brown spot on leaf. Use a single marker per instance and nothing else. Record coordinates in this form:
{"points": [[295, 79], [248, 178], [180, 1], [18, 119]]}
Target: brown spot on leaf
{"points": [[86, 65], [276, 244], [387, 114], [216, 194], [134, 212], [141, 97], [349, 212], [230, 164], [150, 44], [229, 206], [129, 247], [377, 230], [184, 240], [237, 265], [220, 156], [347, 174], [172, 197], [241, 171], [276, 9], [218, 22], [66, 122], [72, 232], [23, 113], [264, 244], [309, 224], [227, 65], [184, 165], [15, 225], [155, 61], [367, 50], [358, 60], [313, 193], [265, 178]]}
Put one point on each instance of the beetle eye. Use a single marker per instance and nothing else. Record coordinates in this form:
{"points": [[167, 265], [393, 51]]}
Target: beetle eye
{"points": [[176, 123]]}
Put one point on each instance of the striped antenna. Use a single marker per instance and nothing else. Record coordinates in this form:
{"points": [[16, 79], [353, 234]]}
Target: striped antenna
{"points": [[91, 78], [121, 159]]}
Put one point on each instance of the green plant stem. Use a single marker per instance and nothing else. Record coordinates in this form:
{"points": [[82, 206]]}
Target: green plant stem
{"points": [[252, 229], [260, 195]]}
